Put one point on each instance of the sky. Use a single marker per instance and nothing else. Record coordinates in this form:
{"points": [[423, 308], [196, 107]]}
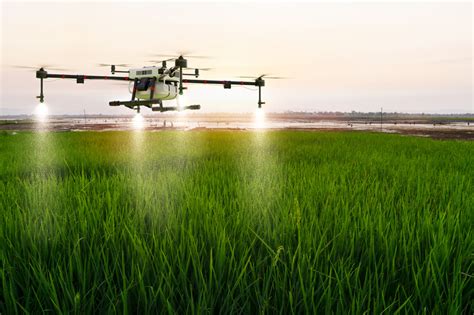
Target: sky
{"points": [[343, 56]]}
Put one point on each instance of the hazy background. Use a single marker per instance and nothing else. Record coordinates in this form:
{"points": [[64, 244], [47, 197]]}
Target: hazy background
{"points": [[405, 57]]}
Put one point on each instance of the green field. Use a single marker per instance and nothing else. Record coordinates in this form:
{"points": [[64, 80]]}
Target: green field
{"points": [[235, 222]]}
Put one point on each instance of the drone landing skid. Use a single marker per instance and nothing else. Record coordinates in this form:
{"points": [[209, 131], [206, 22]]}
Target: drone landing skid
{"points": [[149, 103], [174, 108], [131, 104]]}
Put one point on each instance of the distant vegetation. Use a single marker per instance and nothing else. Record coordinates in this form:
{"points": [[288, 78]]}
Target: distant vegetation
{"points": [[14, 122], [386, 116], [235, 222]]}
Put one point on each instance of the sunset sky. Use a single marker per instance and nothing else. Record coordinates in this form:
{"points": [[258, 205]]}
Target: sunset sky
{"points": [[402, 56]]}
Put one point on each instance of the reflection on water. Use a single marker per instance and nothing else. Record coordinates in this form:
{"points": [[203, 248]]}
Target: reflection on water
{"points": [[257, 120]]}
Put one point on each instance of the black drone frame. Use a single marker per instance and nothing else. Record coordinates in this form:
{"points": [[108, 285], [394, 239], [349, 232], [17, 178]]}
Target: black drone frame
{"points": [[180, 64]]}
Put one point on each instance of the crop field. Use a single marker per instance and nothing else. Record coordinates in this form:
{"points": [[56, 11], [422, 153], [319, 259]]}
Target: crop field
{"points": [[235, 222]]}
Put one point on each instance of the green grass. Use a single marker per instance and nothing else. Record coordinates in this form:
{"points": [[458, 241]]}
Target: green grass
{"points": [[235, 222]]}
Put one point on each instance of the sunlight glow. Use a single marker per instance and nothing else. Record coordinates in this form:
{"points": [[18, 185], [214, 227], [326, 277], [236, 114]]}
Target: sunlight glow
{"points": [[138, 121], [41, 112], [182, 102], [260, 118]]}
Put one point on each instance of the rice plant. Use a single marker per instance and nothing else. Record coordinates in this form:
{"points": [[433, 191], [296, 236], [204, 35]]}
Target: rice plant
{"points": [[235, 222]]}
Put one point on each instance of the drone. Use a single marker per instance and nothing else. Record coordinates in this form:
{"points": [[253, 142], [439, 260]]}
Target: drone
{"points": [[154, 84]]}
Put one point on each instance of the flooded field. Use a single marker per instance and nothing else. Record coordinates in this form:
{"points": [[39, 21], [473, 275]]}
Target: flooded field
{"points": [[182, 121]]}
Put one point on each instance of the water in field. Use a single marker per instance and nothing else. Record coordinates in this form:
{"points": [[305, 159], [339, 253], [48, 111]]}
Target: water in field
{"points": [[242, 122], [419, 126], [199, 122]]}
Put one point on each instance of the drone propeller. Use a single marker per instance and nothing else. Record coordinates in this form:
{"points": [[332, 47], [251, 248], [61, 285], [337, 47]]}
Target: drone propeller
{"points": [[200, 69], [114, 65], [160, 61], [184, 54], [36, 68], [117, 65], [266, 76]]}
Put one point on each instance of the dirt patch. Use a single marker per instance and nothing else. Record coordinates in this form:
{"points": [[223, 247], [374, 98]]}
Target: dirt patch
{"points": [[459, 134]]}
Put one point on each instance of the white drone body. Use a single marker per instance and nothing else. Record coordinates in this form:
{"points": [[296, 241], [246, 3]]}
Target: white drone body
{"points": [[166, 87]]}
